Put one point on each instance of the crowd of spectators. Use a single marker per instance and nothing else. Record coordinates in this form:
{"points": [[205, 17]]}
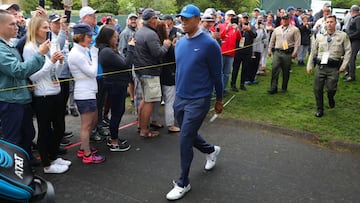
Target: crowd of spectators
{"points": [[96, 65]]}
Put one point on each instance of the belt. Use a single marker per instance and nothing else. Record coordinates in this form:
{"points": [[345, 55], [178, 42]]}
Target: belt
{"points": [[286, 51], [332, 63]]}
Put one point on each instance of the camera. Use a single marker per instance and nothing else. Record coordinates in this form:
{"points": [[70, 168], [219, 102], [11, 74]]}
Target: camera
{"points": [[246, 23], [68, 15], [259, 22], [234, 20], [48, 35]]}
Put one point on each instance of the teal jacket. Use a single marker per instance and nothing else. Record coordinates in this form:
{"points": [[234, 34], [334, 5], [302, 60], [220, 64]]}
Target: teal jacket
{"points": [[14, 72]]}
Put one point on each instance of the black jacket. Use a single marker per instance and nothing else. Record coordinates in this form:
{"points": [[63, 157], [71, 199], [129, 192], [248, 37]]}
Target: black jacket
{"points": [[354, 28], [112, 62], [167, 76], [249, 39]]}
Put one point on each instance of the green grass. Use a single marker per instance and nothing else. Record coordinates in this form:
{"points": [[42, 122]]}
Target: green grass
{"points": [[296, 109]]}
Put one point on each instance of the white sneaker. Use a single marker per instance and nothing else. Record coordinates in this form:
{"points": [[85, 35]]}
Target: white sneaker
{"points": [[60, 161], [177, 192], [55, 168], [211, 158]]}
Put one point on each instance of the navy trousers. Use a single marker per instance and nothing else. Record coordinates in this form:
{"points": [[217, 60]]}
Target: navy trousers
{"points": [[190, 114], [17, 124]]}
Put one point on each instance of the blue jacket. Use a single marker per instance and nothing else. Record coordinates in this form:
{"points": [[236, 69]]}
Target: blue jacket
{"points": [[14, 72]]}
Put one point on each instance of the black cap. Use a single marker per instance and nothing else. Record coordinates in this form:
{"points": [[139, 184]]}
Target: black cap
{"points": [[285, 16], [54, 17], [245, 15], [167, 17]]}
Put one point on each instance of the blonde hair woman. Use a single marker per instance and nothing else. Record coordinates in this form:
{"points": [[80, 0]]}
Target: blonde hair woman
{"points": [[47, 98]]}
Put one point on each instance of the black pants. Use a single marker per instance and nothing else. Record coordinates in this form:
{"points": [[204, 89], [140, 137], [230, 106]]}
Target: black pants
{"points": [[51, 126], [245, 60], [254, 66]]}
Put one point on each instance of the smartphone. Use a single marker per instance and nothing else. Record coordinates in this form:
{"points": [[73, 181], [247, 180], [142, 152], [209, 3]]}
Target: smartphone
{"points": [[217, 29], [48, 35], [42, 3], [68, 16]]}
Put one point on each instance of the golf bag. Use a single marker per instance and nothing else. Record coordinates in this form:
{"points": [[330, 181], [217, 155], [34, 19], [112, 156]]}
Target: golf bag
{"points": [[17, 182]]}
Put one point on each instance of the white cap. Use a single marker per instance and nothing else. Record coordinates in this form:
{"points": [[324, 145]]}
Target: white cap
{"points": [[87, 10], [208, 17], [7, 6], [230, 12]]}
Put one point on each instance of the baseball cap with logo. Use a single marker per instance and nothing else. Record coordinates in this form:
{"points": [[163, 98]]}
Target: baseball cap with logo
{"points": [[189, 11], [87, 10]]}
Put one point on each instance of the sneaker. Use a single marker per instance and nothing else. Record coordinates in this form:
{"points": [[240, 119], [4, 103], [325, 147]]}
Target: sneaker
{"points": [[60, 161], [55, 168], [93, 159], [65, 142], [248, 83], [80, 152], [62, 150], [74, 112], [211, 158], [119, 147], [68, 134], [121, 141], [96, 137], [177, 192]]}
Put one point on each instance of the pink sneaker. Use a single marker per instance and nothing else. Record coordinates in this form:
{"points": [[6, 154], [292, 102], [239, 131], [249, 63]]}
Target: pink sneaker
{"points": [[80, 152], [93, 159]]}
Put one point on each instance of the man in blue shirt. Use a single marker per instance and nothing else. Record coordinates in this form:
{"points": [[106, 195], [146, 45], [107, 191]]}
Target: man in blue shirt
{"points": [[199, 69]]}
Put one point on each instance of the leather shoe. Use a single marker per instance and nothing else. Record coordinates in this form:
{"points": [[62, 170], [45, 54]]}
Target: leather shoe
{"points": [[319, 113], [242, 87], [272, 91], [233, 88], [331, 102]]}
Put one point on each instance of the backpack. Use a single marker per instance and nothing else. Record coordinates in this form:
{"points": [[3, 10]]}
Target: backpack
{"points": [[17, 181]]}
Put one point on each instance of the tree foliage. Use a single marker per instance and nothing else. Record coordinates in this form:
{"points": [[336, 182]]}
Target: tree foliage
{"points": [[164, 6]]}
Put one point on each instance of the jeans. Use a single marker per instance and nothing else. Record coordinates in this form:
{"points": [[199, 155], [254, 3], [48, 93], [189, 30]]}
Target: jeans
{"points": [[228, 62], [190, 114], [303, 49], [169, 98]]}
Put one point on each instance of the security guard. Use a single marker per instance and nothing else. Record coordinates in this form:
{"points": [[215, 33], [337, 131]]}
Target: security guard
{"points": [[330, 53], [284, 42]]}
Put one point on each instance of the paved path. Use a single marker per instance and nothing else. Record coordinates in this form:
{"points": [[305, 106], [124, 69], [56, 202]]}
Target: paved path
{"points": [[254, 166]]}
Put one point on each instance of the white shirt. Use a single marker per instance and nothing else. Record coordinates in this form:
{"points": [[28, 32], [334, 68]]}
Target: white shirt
{"points": [[84, 70], [46, 79]]}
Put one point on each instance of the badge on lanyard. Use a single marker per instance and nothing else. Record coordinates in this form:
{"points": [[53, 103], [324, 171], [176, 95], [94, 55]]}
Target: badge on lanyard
{"points": [[325, 58], [242, 42], [285, 45]]}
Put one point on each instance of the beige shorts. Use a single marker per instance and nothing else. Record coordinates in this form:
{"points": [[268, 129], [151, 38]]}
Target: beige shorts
{"points": [[151, 88]]}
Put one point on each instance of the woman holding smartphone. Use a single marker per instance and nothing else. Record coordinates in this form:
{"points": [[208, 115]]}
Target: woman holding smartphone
{"points": [[47, 98]]}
